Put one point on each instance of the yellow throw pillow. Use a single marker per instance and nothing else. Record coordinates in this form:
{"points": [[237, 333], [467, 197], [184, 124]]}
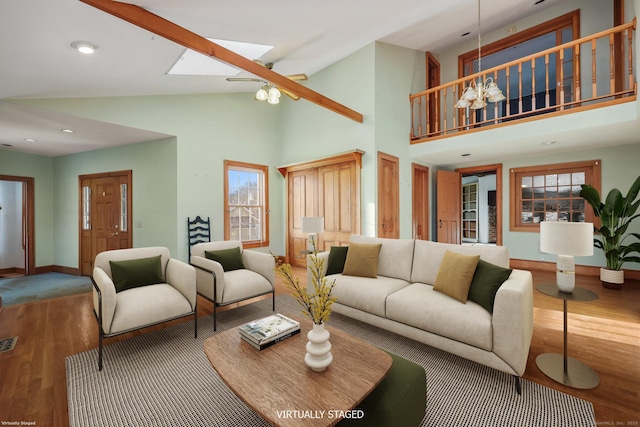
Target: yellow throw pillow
{"points": [[455, 275], [362, 260]]}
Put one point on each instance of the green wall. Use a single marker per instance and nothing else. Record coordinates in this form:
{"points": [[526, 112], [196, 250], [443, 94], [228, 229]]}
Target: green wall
{"points": [[208, 129], [41, 169], [155, 195], [619, 170]]}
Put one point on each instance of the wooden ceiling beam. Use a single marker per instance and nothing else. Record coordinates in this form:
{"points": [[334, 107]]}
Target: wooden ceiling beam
{"points": [[142, 18]]}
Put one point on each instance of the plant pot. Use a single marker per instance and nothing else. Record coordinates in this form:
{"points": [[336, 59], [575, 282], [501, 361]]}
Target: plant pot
{"points": [[612, 279], [318, 355]]}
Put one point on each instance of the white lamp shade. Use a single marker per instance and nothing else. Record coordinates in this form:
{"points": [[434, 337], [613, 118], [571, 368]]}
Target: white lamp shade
{"points": [[312, 224], [566, 238]]}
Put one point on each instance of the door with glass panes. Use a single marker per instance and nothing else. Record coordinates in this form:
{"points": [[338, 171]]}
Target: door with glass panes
{"points": [[105, 220]]}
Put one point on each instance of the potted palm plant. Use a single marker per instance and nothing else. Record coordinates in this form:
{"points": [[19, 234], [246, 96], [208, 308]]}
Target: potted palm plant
{"points": [[616, 213]]}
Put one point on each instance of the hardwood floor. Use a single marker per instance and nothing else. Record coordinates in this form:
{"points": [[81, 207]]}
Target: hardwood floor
{"points": [[604, 334]]}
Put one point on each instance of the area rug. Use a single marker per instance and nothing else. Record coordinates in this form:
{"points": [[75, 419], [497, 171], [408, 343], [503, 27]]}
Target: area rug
{"points": [[20, 290], [163, 378]]}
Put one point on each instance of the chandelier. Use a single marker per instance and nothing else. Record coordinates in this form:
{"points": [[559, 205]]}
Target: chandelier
{"points": [[476, 95], [268, 93]]}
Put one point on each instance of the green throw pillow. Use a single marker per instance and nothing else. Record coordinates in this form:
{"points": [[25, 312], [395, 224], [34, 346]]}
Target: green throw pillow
{"points": [[230, 259], [134, 273], [485, 283], [337, 257]]}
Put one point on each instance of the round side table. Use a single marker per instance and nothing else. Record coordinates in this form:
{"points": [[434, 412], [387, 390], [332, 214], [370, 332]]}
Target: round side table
{"points": [[560, 367]]}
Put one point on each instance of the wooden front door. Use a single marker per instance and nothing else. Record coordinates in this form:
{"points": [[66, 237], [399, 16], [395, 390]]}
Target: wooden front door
{"points": [[105, 215], [420, 196], [448, 201], [388, 196], [329, 188]]}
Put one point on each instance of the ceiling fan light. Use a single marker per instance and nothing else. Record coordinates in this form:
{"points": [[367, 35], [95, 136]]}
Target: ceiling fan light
{"points": [[273, 100], [274, 92], [262, 95]]}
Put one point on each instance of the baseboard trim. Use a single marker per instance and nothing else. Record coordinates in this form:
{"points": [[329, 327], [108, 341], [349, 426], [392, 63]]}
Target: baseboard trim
{"points": [[58, 269], [585, 270]]}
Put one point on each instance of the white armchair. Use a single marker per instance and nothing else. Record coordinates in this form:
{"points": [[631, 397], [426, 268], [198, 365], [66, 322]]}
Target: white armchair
{"points": [[256, 278], [121, 308]]}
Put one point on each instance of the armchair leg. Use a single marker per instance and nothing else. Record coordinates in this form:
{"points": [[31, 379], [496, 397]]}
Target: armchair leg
{"points": [[518, 387], [273, 296], [214, 317]]}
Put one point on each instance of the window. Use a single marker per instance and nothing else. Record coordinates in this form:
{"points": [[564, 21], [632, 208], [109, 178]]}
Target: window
{"points": [[246, 203], [529, 88], [551, 193], [86, 207]]}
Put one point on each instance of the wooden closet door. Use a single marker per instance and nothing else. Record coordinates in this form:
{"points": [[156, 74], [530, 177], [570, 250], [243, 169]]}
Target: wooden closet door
{"points": [[303, 202], [339, 202]]}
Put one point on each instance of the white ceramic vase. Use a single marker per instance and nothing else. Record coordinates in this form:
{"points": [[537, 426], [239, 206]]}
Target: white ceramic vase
{"points": [[318, 355]]}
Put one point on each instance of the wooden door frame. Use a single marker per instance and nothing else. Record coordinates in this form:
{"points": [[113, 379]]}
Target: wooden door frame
{"points": [[379, 228], [432, 80], [414, 214], [28, 216], [497, 168], [129, 175]]}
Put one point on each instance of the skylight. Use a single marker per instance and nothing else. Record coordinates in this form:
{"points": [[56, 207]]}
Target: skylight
{"points": [[196, 64]]}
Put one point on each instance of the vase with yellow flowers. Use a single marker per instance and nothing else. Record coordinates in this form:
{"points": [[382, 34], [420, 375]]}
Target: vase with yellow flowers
{"points": [[316, 306]]}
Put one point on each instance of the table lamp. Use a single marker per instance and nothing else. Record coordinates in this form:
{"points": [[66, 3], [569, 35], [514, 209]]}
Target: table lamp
{"points": [[566, 239], [312, 225]]}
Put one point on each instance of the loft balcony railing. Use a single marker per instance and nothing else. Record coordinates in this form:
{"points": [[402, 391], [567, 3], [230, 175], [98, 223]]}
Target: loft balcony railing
{"points": [[591, 72]]}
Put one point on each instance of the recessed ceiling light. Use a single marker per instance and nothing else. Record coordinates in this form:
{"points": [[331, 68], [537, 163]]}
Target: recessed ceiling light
{"points": [[465, 34], [548, 143], [67, 130], [84, 47], [7, 145], [539, 1], [465, 154], [30, 140]]}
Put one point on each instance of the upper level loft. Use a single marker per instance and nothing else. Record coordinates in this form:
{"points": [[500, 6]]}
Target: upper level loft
{"points": [[591, 72]]}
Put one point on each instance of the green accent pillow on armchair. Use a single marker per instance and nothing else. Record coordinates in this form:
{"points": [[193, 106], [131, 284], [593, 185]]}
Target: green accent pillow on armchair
{"points": [[230, 259], [134, 273]]}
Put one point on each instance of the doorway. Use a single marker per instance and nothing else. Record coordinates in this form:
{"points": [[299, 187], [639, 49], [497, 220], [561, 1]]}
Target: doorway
{"points": [[17, 248], [481, 203], [388, 196], [104, 215]]}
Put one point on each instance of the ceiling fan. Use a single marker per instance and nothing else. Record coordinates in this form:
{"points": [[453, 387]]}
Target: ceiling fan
{"points": [[270, 92]]}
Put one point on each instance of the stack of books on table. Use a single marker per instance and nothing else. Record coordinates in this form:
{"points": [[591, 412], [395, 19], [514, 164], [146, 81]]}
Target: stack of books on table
{"points": [[270, 330]]}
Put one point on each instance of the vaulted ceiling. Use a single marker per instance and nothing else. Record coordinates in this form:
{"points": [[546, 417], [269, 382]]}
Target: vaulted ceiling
{"points": [[37, 61]]}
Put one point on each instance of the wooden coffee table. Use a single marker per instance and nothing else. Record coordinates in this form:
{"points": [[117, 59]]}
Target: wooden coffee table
{"points": [[276, 383]]}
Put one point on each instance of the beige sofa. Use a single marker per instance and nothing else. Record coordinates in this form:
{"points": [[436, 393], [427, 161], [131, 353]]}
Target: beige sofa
{"points": [[402, 300]]}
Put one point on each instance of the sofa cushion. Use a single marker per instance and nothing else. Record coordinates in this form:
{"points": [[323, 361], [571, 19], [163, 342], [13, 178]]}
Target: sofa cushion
{"points": [[365, 294], [455, 275], [362, 260], [132, 273], [230, 259], [428, 256], [487, 279], [336, 259], [418, 305], [395, 258]]}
